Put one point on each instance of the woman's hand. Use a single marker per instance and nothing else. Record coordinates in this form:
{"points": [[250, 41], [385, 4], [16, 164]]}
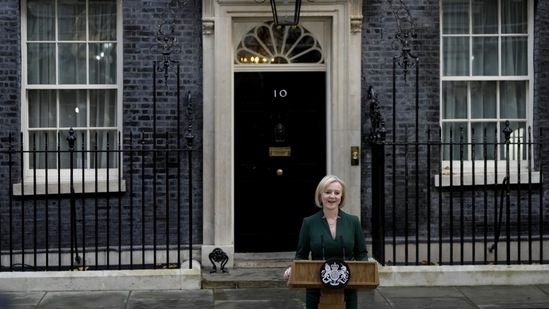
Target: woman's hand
{"points": [[287, 273]]}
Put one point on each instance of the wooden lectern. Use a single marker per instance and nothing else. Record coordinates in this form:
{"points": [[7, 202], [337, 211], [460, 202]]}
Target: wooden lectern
{"points": [[306, 274]]}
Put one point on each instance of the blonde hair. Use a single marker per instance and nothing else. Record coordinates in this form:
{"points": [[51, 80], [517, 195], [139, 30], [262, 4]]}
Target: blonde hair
{"points": [[324, 183]]}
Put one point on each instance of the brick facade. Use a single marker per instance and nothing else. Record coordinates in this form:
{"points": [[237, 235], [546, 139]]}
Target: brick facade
{"points": [[141, 19]]}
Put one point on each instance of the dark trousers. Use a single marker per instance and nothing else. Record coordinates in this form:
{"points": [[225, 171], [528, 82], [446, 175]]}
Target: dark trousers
{"points": [[312, 298]]}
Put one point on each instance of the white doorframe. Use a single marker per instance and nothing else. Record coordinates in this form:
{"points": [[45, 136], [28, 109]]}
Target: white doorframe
{"points": [[343, 20]]}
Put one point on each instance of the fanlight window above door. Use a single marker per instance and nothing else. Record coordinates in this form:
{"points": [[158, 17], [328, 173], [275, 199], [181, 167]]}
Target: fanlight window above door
{"points": [[268, 44]]}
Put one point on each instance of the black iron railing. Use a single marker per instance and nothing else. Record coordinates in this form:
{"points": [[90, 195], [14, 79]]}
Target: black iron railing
{"points": [[441, 202], [133, 215]]}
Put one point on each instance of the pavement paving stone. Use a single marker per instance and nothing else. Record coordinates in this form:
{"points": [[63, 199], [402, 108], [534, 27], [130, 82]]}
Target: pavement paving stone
{"points": [[374, 299], [264, 288], [84, 300], [24, 300], [507, 296], [420, 292], [431, 303], [420, 297], [195, 299], [272, 298], [480, 297]]}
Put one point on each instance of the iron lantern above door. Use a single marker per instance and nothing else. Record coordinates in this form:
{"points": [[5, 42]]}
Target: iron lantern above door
{"points": [[286, 12]]}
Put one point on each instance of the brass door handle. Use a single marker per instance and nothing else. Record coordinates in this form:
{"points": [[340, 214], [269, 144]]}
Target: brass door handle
{"points": [[279, 172]]}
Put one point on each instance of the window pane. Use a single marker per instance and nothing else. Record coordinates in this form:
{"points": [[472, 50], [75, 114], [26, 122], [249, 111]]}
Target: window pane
{"points": [[513, 99], [72, 20], [102, 108], [103, 141], [485, 16], [514, 52], [103, 20], [485, 56], [455, 16], [40, 20], [514, 16], [455, 133], [454, 100], [42, 109], [39, 141], [103, 63], [484, 138], [456, 56], [72, 63], [41, 64], [72, 107], [483, 100]]}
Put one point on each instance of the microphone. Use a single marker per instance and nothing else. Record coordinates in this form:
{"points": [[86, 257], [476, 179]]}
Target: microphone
{"points": [[342, 245], [322, 245]]}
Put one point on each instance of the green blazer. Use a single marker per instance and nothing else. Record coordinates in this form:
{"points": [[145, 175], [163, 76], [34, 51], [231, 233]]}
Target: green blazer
{"points": [[315, 239]]}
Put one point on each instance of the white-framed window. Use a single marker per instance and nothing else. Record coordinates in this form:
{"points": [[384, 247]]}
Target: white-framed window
{"points": [[486, 79], [71, 78]]}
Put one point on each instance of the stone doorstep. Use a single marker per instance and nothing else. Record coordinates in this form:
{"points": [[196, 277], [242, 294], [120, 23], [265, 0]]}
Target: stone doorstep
{"points": [[250, 277], [263, 260], [267, 272], [250, 270]]}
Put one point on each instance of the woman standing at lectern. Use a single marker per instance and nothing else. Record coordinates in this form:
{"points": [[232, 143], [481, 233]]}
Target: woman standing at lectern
{"points": [[330, 233]]}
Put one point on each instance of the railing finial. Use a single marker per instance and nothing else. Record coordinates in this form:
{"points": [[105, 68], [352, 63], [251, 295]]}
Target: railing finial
{"points": [[507, 131], [71, 139]]}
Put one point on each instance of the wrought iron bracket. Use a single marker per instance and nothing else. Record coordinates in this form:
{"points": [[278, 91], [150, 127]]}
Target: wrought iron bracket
{"points": [[405, 36], [218, 256], [166, 40], [377, 131], [189, 136]]}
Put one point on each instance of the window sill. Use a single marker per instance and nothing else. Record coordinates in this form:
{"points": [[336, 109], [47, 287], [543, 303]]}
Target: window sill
{"points": [[480, 179], [64, 187]]}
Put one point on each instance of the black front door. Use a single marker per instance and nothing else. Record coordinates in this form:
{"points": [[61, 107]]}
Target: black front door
{"points": [[280, 156]]}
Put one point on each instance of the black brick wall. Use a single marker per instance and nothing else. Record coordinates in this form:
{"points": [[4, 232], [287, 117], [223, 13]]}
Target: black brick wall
{"points": [[378, 34], [141, 19], [140, 23], [10, 69]]}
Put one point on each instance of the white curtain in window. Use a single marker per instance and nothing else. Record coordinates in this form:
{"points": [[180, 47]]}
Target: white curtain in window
{"points": [[42, 122], [103, 115], [102, 63], [41, 28]]}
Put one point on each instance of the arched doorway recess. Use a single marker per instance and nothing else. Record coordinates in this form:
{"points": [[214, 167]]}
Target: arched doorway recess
{"points": [[337, 25], [279, 134]]}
